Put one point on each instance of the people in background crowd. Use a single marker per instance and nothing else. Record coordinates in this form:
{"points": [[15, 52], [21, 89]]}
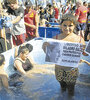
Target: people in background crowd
{"points": [[67, 8], [81, 14], [51, 13], [56, 12], [17, 23], [43, 21], [42, 12], [21, 33], [31, 22]]}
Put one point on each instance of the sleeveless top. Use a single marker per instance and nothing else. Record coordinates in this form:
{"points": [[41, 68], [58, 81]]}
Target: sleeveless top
{"points": [[26, 65]]}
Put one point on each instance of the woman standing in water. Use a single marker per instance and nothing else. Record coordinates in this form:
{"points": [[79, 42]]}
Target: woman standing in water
{"points": [[3, 74], [67, 76]]}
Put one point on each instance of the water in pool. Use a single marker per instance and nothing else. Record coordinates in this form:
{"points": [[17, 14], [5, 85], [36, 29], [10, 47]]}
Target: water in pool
{"points": [[42, 85]]}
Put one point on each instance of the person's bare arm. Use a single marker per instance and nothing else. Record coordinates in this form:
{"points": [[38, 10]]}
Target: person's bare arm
{"points": [[32, 26], [17, 19], [85, 61], [84, 45], [5, 81], [16, 51], [77, 16], [37, 22]]}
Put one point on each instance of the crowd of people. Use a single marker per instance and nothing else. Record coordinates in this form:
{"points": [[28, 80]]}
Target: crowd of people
{"points": [[23, 26], [25, 19]]}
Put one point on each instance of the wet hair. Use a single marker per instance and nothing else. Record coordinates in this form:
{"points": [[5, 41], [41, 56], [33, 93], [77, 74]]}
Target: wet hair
{"points": [[68, 17], [2, 59], [29, 46], [25, 48], [22, 49]]}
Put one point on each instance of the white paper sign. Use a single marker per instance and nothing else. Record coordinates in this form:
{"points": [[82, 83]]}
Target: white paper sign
{"points": [[64, 53], [87, 49]]}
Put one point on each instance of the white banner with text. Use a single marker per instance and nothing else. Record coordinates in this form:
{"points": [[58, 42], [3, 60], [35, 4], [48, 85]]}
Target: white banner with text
{"points": [[64, 53]]}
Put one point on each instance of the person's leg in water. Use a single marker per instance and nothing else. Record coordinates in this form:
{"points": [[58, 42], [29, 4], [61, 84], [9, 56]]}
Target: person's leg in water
{"points": [[71, 80], [59, 73], [70, 88], [63, 86]]}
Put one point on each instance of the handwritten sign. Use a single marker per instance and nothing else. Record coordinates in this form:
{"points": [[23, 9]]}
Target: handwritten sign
{"points": [[64, 53]]}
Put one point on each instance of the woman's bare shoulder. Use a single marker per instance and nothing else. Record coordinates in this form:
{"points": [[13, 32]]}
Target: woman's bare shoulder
{"points": [[17, 59], [78, 39]]}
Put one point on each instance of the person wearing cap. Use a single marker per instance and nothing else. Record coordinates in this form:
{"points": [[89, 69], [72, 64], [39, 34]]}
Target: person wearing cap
{"points": [[17, 22], [31, 22], [81, 15]]}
